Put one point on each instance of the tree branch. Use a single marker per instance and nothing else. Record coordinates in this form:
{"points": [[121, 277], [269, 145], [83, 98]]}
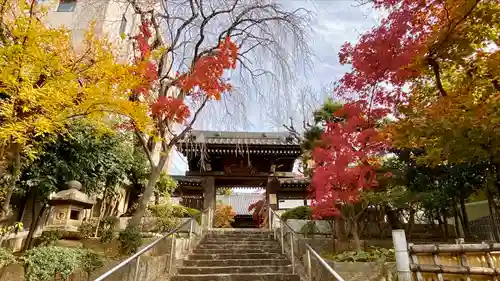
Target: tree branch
{"points": [[144, 147], [204, 23], [435, 68], [180, 136]]}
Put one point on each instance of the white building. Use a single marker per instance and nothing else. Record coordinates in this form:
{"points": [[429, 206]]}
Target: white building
{"points": [[111, 18]]}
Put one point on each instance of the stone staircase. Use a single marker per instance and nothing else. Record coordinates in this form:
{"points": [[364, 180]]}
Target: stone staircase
{"points": [[241, 255]]}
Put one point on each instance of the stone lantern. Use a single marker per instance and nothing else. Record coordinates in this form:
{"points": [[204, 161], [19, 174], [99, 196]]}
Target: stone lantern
{"points": [[68, 208]]}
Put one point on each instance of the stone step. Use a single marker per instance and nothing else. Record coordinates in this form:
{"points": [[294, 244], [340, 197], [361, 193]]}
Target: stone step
{"points": [[235, 256], [237, 251], [237, 277], [237, 262], [238, 238], [232, 240], [239, 230], [234, 269], [239, 246], [242, 234]]}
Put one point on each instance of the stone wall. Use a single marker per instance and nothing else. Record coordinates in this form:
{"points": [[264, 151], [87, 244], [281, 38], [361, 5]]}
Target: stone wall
{"points": [[153, 265], [366, 271], [377, 231], [323, 244]]}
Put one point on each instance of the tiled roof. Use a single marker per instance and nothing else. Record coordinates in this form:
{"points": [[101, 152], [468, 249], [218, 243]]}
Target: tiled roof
{"points": [[241, 138], [240, 202], [187, 180], [294, 181]]}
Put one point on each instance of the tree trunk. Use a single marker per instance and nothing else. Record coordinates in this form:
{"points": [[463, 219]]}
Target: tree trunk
{"points": [[440, 222], [28, 244], [114, 212], [135, 221], [393, 218], [331, 223], [101, 215], [340, 233], [15, 173], [457, 219], [445, 225], [465, 217], [411, 221], [355, 235]]}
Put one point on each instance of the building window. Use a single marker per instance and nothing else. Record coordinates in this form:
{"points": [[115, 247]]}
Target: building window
{"points": [[74, 215], [123, 25], [66, 6]]}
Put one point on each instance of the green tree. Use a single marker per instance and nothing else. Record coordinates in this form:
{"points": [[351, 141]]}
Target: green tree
{"points": [[99, 160], [439, 191], [311, 137]]}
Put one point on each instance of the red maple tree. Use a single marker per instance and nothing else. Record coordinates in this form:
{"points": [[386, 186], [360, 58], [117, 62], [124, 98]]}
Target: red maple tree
{"points": [[414, 36], [345, 163], [406, 42]]}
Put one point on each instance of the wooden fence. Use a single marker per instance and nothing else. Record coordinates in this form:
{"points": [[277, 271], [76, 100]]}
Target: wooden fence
{"points": [[448, 262]]}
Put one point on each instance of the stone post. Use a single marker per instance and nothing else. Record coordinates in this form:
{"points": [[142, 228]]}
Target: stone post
{"points": [[402, 256]]}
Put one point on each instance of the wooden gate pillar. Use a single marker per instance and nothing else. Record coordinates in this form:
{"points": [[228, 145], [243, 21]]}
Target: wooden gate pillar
{"points": [[272, 192], [209, 194]]}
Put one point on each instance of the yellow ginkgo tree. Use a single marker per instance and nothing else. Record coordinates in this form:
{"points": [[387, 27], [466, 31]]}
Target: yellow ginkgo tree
{"points": [[45, 83]]}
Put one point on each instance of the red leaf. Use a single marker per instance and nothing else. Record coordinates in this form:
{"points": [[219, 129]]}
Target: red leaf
{"points": [[171, 109], [346, 164]]}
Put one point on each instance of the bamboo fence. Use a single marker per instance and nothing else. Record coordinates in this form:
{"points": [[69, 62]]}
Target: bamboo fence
{"points": [[450, 262]]}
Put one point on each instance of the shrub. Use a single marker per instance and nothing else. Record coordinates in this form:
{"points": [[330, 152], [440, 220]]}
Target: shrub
{"points": [[371, 254], [87, 229], [49, 238], [185, 212], [107, 235], [109, 222], [6, 231], [130, 240], [166, 216], [6, 257], [190, 212], [166, 224], [224, 216], [49, 263], [299, 213], [91, 261], [106, 229], [308, 228]]}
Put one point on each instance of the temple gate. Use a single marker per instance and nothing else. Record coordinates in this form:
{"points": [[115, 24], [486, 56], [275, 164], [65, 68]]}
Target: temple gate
{"points": [[240, 159]]}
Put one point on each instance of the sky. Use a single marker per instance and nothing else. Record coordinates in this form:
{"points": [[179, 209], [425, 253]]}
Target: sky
{"points": [[334, 23]]}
